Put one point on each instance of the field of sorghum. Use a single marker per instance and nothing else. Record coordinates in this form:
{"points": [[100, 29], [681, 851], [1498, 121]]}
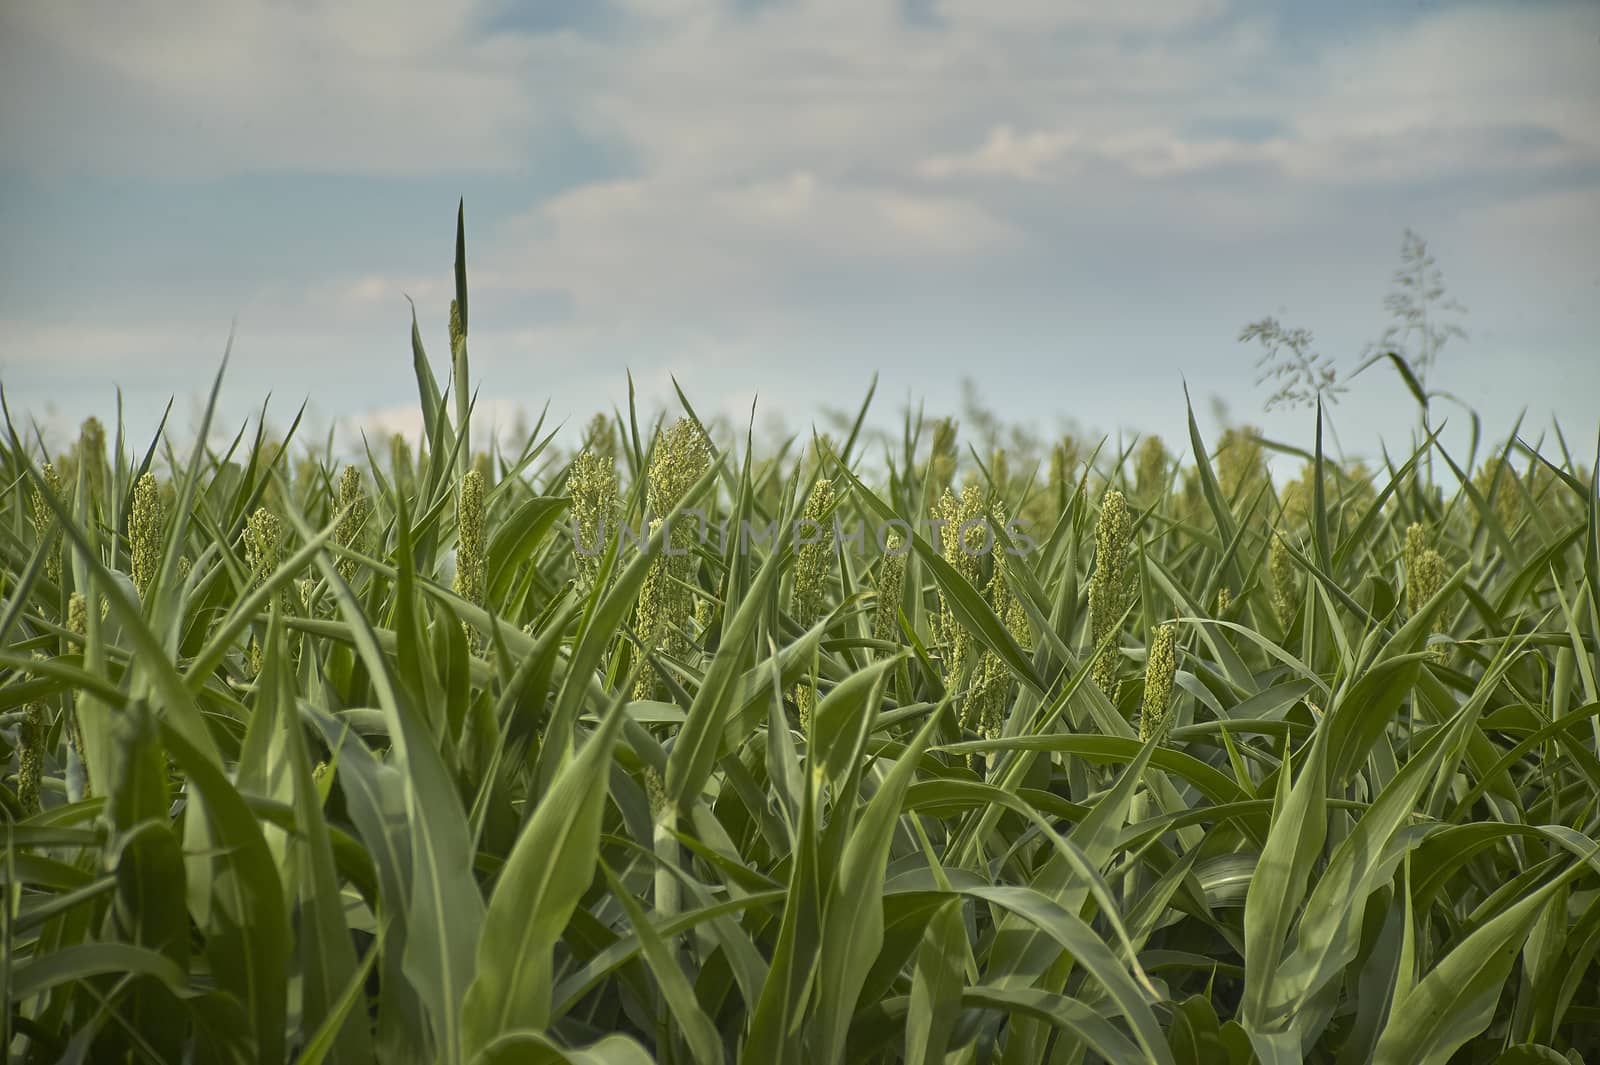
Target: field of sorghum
{"points": [[427, 758]]}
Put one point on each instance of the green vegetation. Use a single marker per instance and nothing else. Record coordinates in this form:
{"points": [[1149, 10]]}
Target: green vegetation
{"points": [[426, 759]]}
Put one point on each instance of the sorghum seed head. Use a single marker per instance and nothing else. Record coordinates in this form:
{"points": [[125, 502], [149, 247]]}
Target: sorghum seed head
{"points": [[961, 536], [942, 457], [813, 560], [92, 451], [1284, 590], [471, 545], [263, 535], [44, 519], [77, 614], [681, 457], [655, 790], [1107, 585], [886, 622], [1150, 462], [600, 436], [1160, 669], [652, 614], [593, 487], [1497, 483], [353, 509], [144, 531], [1424, 575]]}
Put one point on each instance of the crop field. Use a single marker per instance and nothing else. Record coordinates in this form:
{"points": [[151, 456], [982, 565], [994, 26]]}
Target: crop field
{"points": [[666, 746]]}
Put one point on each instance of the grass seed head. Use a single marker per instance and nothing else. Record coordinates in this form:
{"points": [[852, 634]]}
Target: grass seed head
{"points": [[1497, 483], [1108, 590], [44, 520], [987, 699], [600, 436], [593, 488], [1426, 573], [1161, 667], [90, 456], [652, 614], [1150, 464], [30, 756], [471, 542], [681, 458], [144, 531], [942, 456], [813, 560], [1285, 589], [961, 536], [886, 620], [353, 508], [263, 545]]}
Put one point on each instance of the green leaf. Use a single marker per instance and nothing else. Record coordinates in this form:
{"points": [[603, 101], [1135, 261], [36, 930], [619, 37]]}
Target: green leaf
{"points": [[547, 872]]}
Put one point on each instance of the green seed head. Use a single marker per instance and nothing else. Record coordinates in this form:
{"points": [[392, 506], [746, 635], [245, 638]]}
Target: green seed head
{"points": [[805, 702], [652, 613], [1426, 573], [655, 790], [600, 436], [77, 614], [30, 758], [1241, 461], [593, 487], [1285, 588], [681, 457], [1497, 483], [1150, 465], [352, 505], [144, 531], [942, 457], [44, 519], [986, 703], [813, 561], [1424, 568], [1064, 458], [1108, 586], [1160, 669], [886, 622], [1000, 470], [263, 547], [91, 456], [962, 536], [456, 335], [471, 545], [1224, 600]]}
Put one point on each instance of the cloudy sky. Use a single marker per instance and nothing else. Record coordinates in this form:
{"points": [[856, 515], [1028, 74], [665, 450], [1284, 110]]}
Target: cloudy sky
{"points": [[1076, 204]]}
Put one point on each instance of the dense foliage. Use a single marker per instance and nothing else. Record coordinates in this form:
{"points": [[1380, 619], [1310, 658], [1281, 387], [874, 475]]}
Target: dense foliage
{"points": [[428, 758]]}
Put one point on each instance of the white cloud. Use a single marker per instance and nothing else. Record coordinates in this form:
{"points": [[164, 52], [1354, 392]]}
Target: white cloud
{"points": [[188, 90], [1036, 15], [621, 248]]}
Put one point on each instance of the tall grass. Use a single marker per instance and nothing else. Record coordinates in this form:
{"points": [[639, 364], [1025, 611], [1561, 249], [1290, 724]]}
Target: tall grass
{"points": [[303, 769]]}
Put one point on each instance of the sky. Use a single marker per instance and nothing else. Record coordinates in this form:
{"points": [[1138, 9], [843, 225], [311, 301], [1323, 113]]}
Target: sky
{"points": [[1077, 206]]}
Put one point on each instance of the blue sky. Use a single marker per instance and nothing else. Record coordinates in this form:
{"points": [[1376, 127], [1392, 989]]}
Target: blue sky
{"points": [[1077, 205]]}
